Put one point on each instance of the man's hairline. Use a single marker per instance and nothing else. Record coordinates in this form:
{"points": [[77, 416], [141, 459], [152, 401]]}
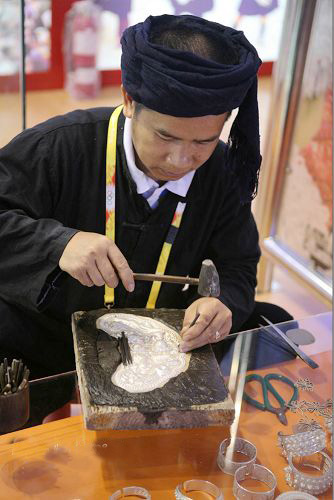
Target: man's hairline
{"points": [[142, 106]]}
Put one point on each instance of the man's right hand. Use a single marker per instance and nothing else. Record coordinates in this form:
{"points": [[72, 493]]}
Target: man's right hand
{"points": [[93, 259]]}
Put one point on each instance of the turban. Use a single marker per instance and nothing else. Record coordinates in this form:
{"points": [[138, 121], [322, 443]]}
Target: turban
{"points": [[183, 84]]}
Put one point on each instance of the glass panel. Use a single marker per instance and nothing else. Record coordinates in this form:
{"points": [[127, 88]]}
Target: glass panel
{"points": [[305, 219], [10, 67]]}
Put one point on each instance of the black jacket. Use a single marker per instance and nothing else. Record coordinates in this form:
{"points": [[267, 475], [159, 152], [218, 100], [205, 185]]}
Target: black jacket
{"points": [[52, 184]]}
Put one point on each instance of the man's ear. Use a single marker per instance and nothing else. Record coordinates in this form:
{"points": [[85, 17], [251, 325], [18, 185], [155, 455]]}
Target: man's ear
{"points": [[128, 103]]}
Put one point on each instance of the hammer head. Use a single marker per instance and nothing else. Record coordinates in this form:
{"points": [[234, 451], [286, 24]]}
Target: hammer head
{"points": [[208, 283]]}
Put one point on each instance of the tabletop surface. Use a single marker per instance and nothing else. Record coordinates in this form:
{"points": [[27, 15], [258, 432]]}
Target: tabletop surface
{"points": [[63, 460]]}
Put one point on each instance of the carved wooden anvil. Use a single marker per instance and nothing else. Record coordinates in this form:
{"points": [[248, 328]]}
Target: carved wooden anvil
{"points": [[197, 397]]}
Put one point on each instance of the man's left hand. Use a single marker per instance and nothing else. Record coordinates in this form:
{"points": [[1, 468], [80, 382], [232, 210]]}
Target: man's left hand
{"points": [[213, 324]]}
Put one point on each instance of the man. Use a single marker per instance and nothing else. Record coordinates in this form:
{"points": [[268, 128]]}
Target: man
{"points": [[174, 194]]}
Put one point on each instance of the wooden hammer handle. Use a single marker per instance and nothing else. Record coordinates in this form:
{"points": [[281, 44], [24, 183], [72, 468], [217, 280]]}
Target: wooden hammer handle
{"points": [[183, 280]]}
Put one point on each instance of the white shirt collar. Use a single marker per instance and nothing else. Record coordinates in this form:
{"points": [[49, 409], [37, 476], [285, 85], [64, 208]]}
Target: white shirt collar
{"points": [[142, 181]]}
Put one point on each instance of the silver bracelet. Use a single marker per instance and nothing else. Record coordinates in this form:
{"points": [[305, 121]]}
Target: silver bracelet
{"points": [[259, 473], [226, 450], [329, 424], [302, 443], [197, 485], [135, 491], [315, 485], [296, 495]]}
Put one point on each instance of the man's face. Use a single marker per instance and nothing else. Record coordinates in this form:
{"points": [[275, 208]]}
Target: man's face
{"points": [[168, 147]]}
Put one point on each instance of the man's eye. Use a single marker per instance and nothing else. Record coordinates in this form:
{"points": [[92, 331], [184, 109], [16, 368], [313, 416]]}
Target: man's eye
{"points": [[205, 143], [164, 138]]}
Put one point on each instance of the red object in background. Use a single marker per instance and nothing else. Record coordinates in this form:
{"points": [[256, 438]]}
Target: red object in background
{"points": [[54, 78], [318, 156], [81, 44], [83, 56]]}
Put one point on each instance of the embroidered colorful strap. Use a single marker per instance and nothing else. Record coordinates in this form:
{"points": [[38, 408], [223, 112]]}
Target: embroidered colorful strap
{"points": [[109, 295], [166, 249]]}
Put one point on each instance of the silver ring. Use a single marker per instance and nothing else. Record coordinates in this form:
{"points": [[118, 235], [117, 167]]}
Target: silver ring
{"points": [[131, 491], [217, 335], [226, 450], [259, 473], [197, 485]]}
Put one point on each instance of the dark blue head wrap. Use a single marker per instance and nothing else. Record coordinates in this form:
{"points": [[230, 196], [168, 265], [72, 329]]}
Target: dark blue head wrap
{"points": [[183, 84]]}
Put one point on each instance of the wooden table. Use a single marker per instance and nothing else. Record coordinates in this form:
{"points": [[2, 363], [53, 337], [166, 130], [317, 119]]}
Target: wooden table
{"points": [[62, 460]]}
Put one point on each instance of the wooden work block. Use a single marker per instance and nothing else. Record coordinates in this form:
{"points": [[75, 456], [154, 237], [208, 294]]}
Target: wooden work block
{"points": [[197, 397]]}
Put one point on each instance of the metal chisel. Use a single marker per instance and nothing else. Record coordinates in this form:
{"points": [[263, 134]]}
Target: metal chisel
{"points": [[293, 346]]}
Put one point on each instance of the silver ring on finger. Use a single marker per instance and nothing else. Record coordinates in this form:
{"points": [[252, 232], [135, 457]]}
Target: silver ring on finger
{"points": [[217, 335]]}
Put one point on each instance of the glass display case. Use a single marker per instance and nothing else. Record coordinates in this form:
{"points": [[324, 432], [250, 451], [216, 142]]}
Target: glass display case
{"points": [[294, 210]]}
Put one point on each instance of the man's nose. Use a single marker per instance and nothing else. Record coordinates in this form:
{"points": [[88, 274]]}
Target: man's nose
{"points": [[180, 156]]}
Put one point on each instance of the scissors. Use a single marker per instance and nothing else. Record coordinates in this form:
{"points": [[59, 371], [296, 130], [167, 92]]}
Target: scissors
{"points": [[268, 387]]}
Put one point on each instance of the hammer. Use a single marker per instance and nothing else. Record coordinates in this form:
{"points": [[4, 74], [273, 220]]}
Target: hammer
{"points": [[207, 283]]}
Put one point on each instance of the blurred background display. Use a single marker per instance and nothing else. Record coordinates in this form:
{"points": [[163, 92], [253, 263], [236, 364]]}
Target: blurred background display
{"points": [[305, 218], [37, 36], [261, 20]]}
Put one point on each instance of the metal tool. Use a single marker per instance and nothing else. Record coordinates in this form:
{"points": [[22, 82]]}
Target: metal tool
{"points": [[124, 349], [207, 283], [268, 387], [13, 378], [193, 321], [42, 380], [14, 395], [293, 346]]}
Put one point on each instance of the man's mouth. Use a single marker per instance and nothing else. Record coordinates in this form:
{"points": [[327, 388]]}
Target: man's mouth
{"points": [[175, 174]]}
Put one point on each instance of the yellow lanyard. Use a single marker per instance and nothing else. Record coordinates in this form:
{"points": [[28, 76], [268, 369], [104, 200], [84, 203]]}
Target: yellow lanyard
{"points": [[109, 295]]}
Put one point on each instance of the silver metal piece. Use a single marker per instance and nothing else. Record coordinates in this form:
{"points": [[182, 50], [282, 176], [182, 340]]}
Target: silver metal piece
{"points": [[300, 336], [323, 409], [304, 384], [305, 425], [302, 443], [154, 351], [315, 485]]}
